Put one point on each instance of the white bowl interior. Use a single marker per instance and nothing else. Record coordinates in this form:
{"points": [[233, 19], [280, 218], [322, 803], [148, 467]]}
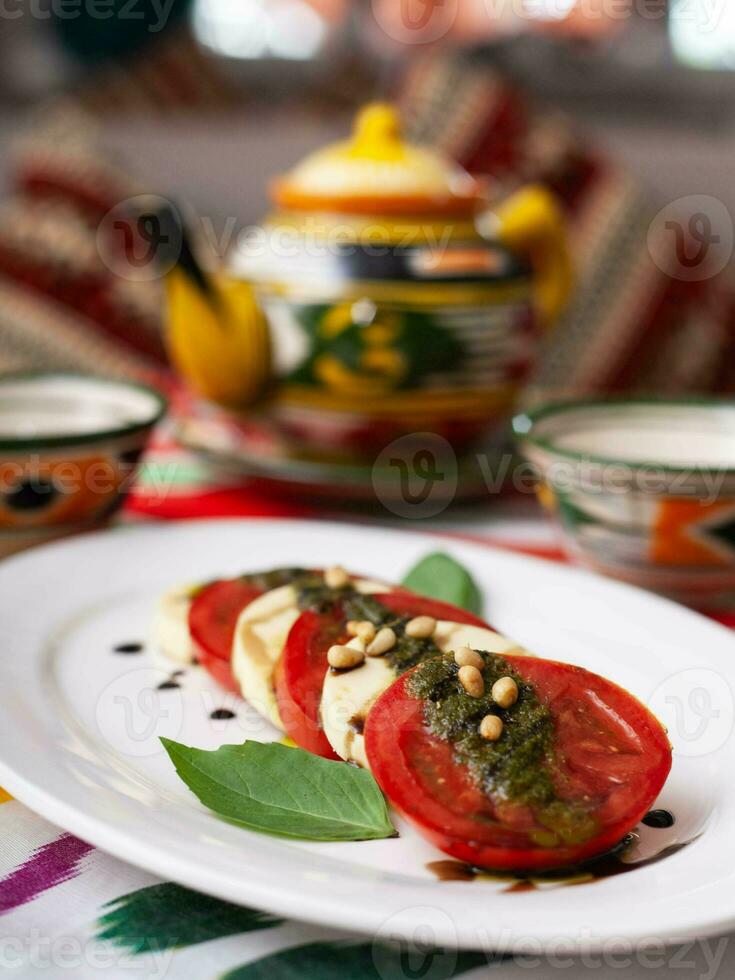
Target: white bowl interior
{"points": [[665, 434], [66, 405]]}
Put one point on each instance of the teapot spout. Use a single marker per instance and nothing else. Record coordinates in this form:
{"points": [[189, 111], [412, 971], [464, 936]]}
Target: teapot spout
{"points": [[216, 335]]}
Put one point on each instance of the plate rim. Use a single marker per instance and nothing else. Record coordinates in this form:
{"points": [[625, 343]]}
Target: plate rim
{"points": [[278, 900]]}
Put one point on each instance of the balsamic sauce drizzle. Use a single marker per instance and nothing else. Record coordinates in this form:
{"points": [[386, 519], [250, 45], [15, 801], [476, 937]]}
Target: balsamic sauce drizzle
{"points": [[133, 647], [222, 714], [607, 866], [659, 819]]}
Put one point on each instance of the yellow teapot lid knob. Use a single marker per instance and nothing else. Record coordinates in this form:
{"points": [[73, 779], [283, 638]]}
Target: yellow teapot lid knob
{"points": [[377, 124]]}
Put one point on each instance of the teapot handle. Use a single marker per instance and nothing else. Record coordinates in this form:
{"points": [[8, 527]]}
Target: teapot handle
{"points": [[217, 337], [532, 224]]}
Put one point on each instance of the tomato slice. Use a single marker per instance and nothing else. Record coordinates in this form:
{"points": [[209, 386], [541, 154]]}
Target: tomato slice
{"points": [[611, 758], [301, 668], [212, 619]]}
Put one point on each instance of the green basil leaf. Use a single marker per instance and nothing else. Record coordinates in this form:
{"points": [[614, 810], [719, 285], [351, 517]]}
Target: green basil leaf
{"points": [[439, 576], [284, 791]]}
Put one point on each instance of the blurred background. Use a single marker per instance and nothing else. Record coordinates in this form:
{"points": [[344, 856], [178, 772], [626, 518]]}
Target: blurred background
{"points": [[621, 106], [620, 112], [624, 109]]}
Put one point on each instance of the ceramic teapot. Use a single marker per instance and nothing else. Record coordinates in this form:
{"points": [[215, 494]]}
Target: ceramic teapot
{"points": [[385, 295]]}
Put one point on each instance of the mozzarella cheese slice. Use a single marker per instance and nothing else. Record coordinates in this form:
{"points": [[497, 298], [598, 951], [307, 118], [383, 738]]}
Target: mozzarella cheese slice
{"points": [[260, 636], [348, 697], [171, 625]]}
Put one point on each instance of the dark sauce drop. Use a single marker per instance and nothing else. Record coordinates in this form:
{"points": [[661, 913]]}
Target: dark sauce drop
{"points": [[607, 866], [167, 685], [128, 648], [222, 714], [660, 819], [357, 724], [522, 885], [450, 870]]}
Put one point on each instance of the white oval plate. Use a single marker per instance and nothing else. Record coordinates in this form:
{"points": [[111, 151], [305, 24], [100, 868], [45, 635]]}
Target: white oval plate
{"points": [[79, 728]]}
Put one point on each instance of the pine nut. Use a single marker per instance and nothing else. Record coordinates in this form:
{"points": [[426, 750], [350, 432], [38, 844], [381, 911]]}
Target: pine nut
{"points": [[342, 658], [361, 628], [471, 680], [385, 640], [465, 657], [336, 577], [505, 692], [366, 631], [421, 627], [491, 727]]}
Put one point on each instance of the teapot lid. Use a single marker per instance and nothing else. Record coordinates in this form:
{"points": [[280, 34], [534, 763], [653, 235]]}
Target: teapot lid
{"points": [[377, 172]]}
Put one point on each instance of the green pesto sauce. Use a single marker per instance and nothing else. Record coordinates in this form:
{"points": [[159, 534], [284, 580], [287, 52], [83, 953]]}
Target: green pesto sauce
{"points": [[276, 577], [408, 651], [518, 767], [313, 593]]}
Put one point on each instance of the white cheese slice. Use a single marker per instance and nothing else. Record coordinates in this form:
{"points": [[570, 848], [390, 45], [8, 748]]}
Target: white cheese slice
{"points": [[260, 636], [171, 625], [348, 697]]}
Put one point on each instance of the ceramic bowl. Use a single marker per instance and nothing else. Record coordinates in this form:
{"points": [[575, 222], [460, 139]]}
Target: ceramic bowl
{"points": [[69, 447], [642, 490]]}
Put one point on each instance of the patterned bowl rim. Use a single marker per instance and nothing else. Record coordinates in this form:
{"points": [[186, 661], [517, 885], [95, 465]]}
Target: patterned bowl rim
{"points": [[42, 442], [525, 422]]}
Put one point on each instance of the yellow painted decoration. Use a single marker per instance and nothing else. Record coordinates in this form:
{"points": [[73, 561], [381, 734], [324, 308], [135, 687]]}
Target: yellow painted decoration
{"points": [[531, 223], [416, 295], [546, 497], [220, 344]]}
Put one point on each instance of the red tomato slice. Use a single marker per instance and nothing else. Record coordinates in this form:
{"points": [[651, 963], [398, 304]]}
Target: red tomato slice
{"points": [[301, 668], [212, 619], [612, 758]]}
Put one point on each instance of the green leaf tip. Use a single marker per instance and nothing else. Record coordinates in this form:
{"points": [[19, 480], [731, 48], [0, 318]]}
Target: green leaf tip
{"points": [[439, 576]]}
